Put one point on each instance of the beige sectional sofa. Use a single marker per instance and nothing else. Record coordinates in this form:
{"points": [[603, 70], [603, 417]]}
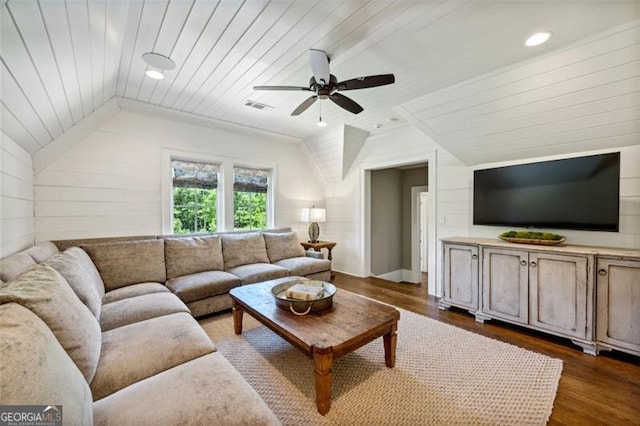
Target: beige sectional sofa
{"points": [[106, 328]]}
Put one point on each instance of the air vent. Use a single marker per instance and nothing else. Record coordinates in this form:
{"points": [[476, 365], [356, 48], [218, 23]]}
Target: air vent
{"points": [[257, 105]]}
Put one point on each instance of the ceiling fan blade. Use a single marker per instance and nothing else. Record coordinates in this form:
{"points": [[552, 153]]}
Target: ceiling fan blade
{"points": [[303, 106], [346, 103], [281, 88], [365, 82], [319, 66]]}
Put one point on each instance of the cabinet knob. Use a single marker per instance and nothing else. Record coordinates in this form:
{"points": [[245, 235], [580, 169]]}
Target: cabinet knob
{"points": [[602, 272], [533, 264], [523, 262], [474, 256]]}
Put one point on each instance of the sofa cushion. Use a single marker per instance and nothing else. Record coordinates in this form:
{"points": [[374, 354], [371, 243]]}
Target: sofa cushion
{"points": [[45, 292], [243, 249], [128, 262], [202, 285], [139, 308], [282, 245], [133, 290], [42, 251], [75, 265], [36, 370], [14, 265], [304, 265], [209, 390], [185, 256], [257, 272], [140, 350]]}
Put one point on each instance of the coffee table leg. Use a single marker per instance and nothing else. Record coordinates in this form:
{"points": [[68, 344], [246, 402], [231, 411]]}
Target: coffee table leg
{"points": [[390, 340], [237, 318], [323, 360]]}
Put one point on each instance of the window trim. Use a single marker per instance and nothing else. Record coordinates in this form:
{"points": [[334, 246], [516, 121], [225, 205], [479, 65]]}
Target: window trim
{"points": [[225, 186]]}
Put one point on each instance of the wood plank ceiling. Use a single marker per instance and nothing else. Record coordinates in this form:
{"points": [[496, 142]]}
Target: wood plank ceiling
{"points": [[61, 60]]}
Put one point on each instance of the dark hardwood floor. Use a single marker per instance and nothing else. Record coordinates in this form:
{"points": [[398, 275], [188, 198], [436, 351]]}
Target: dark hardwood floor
{"points": [[602, 390]]}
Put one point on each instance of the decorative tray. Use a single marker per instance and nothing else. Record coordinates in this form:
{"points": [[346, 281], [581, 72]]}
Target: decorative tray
{"points": [[323, 299], [533, 241]]}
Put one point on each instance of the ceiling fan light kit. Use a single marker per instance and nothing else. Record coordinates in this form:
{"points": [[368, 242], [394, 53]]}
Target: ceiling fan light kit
{"points": [[326, 86]]}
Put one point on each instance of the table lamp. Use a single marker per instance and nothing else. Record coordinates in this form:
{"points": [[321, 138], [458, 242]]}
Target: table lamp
{"points": [[312, 216]]}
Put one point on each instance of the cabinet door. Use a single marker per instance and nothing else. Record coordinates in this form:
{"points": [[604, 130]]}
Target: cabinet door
{"points": [[618, 303], [505, 284], [560, 288], [461, 275]]}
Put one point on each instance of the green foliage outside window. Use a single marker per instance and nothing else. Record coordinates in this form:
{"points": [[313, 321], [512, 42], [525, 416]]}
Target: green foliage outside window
{"points": [[249, 210], [194, 210]]}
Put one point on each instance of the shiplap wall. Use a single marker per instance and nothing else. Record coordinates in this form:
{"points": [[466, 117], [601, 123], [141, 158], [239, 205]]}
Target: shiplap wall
{"points": [[583, 97], [455, 201], [109, 184], [344, 198], [453, 188], [16, 197]]}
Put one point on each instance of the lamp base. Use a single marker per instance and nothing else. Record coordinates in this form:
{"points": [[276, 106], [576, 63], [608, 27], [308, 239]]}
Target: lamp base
{"points": [[314, 232]]}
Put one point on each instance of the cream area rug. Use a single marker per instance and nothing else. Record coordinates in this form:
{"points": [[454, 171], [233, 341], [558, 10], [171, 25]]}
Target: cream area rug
{"points": [[443, 376]]}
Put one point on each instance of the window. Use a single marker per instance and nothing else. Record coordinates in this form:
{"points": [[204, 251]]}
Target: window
{"points": [[250, 194], [195, 196]]}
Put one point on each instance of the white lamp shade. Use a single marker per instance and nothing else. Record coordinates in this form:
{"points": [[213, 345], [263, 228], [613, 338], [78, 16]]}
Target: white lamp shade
{"points": [[317, 215], [309, 215]]}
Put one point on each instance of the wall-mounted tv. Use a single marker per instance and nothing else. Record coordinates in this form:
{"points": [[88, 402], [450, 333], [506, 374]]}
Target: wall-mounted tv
{"points": [[575, 193]]}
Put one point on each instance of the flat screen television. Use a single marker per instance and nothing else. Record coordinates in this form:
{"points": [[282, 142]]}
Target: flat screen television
{"points": [[575, 193]]}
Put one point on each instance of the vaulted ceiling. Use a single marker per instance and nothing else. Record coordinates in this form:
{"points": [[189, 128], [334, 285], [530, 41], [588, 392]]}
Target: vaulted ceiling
{"points": [[457, 64]]}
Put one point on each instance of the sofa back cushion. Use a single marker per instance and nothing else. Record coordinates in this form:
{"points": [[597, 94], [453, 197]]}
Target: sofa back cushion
{"points": [[42, 251], [14, 265], [46, 293], [243, 249], [75, 265], [130, 262], [282, 245], [36, 370], [186, 256]]}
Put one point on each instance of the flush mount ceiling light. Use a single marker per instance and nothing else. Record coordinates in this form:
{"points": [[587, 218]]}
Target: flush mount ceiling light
{"points": [[537, 38], [157, 65]]}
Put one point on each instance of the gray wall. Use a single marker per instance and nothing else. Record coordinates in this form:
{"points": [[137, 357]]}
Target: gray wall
{"points": [[410, 177], [386, 223]]}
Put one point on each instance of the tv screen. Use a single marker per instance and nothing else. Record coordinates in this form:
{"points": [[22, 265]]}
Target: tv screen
{"points": [[575, 193]]}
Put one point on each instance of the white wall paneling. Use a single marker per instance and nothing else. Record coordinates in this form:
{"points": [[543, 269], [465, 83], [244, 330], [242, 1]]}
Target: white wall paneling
{"points": [[579, 98], [16, 197], [109, 183]]}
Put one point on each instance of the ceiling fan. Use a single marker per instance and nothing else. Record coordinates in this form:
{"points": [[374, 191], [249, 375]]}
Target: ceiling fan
{"points": [[326, 86]]}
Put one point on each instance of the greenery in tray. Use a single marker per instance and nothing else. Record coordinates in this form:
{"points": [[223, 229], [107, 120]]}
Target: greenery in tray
{"points": [[532, 235]]}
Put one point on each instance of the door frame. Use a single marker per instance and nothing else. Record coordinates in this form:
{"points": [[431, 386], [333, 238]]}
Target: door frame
{"points": [[416, 270], [365, 210]]}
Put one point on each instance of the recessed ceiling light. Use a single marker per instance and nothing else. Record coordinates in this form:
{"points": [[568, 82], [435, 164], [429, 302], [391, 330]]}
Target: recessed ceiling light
{"points": [[537, 38]]}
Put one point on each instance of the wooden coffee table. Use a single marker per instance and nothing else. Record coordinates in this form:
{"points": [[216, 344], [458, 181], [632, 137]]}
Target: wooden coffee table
{"points": [[352, 322]]}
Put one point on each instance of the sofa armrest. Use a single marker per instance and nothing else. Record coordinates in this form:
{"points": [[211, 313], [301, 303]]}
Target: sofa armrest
{"points": [[314, 254]]}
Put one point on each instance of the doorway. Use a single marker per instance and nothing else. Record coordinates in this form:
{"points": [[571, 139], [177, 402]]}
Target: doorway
{"points": [[396, 221]]}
